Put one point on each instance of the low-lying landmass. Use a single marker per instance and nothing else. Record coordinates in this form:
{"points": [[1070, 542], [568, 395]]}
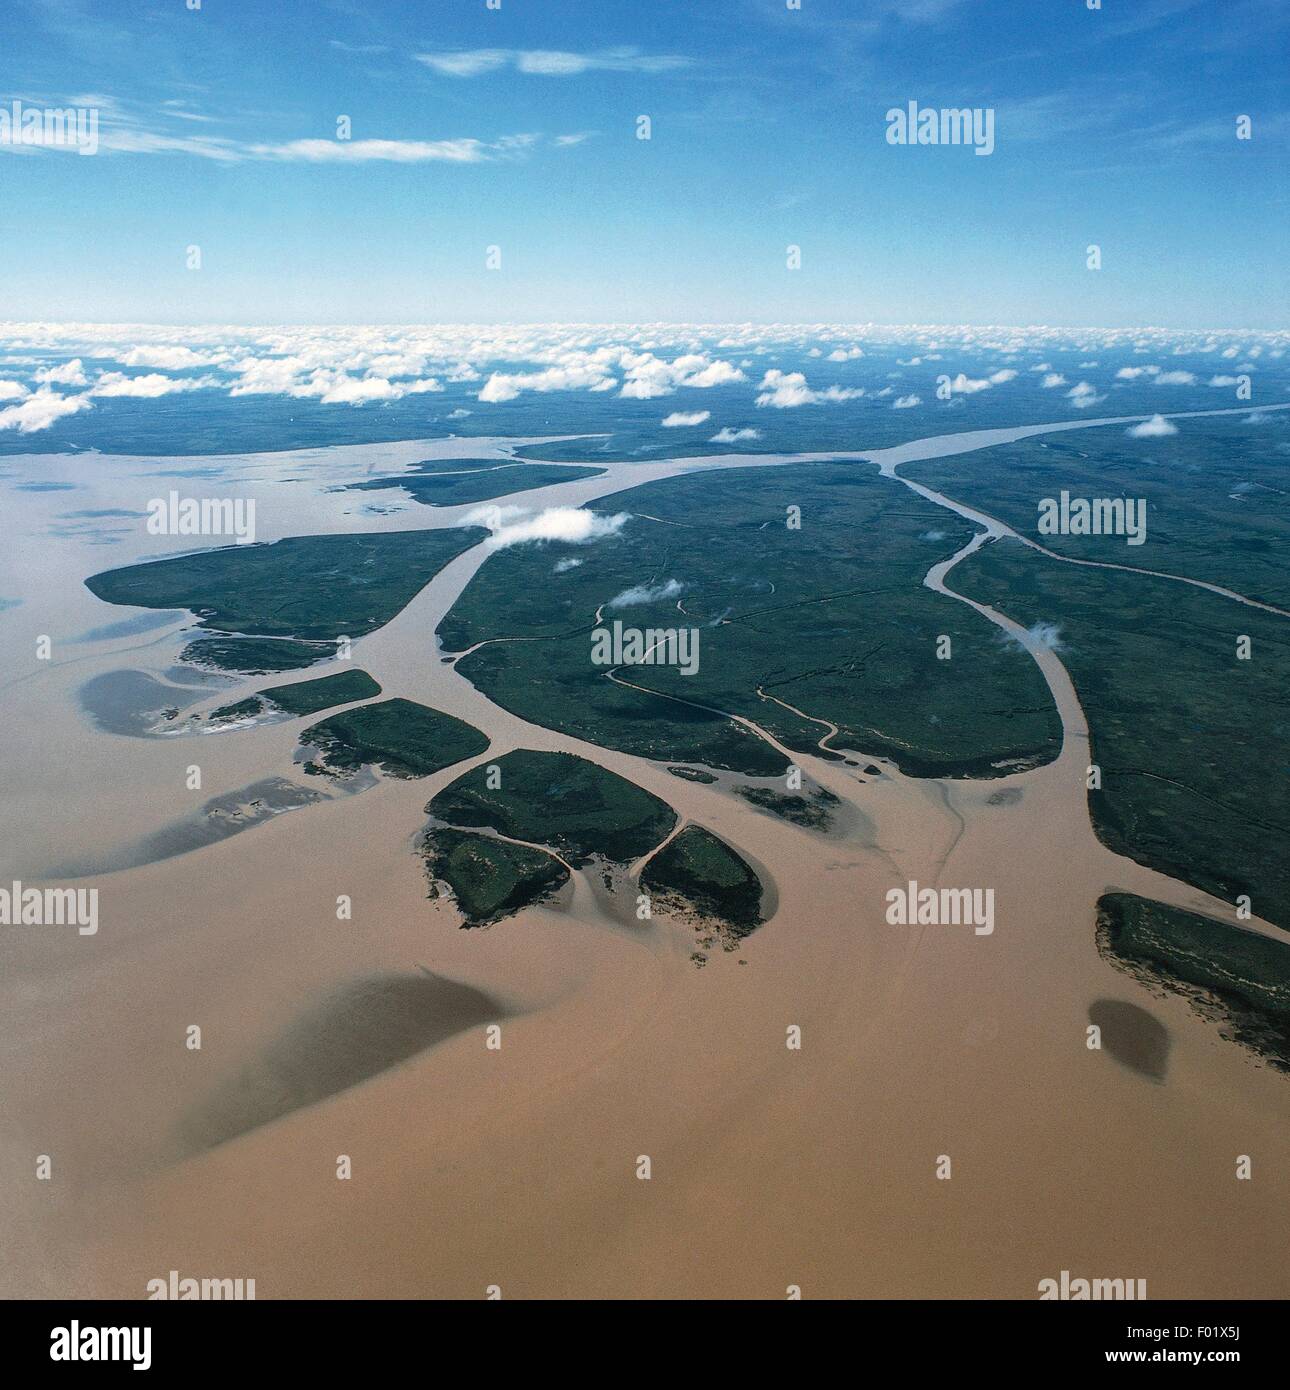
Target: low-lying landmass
{"points": [[302, 697], [810, 589], [489, 878], [814, 812], [400, 737], [437, 485], [311, 588], [255, 656], [1239, 978], [555, 799], [700, 874]]}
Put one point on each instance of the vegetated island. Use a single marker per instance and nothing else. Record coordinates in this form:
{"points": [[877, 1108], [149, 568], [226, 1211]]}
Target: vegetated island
{"points": [[302, 697], [489, 878], [434, 485], [695, 873], [814, 812], [309, 589], [1239, 979], [843, 630], [400, 737], [577, 808]]}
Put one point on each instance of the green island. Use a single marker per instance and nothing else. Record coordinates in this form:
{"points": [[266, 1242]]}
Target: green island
{"points": [[832, 619], [402, 738], [1240, 978], [303, 697], [708, 878], [310, 588], [814, 812], [1190, 739], [255, 656], [555, 799], [437, 485], [693, 774], [490, 879]]}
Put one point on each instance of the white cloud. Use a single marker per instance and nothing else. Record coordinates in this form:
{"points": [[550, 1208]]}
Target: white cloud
{"points": [[788, 390], [503, 386], [998, 378], [67, 374], [646, 593], [1176, 379], [906, 402], [733, 436], [172, 358], [147, 387], [1083, 395], [680, 418], [40, 410], [12, 390], [515, 525], [539, 62], [1155, 428], [967, 386], [1053, 379]]}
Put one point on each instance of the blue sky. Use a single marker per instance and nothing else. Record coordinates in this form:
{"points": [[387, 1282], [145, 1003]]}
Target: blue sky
{"points": [[517, 127]]}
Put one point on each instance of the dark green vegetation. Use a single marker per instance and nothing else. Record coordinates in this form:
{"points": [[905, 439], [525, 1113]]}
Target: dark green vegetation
{"points": [[434, 486], [692, 774], [815, 812], [1234, 975], [304, 697], [402, 738], [556, 799], [256, 656], [490, 878], [308, 697], [712, 879], [832, 618], [1191, 741], [364, 1028], [308, 587], [244, 709], [1218, 505]]}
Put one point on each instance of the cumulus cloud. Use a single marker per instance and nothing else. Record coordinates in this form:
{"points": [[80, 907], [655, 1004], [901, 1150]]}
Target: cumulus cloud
{"points": [[845, 354], [40, 410], [646, 593], [1053, 379], [680, 418], [733, 436], [963, 385], [1083, 394], [170, 357], [1155, 428], [515, 525], [906, 402], [67, 374], [788, 390], [564, 566], [1176, 379], [998, 378], [146, 387], [506, 386], [12, 390]]}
